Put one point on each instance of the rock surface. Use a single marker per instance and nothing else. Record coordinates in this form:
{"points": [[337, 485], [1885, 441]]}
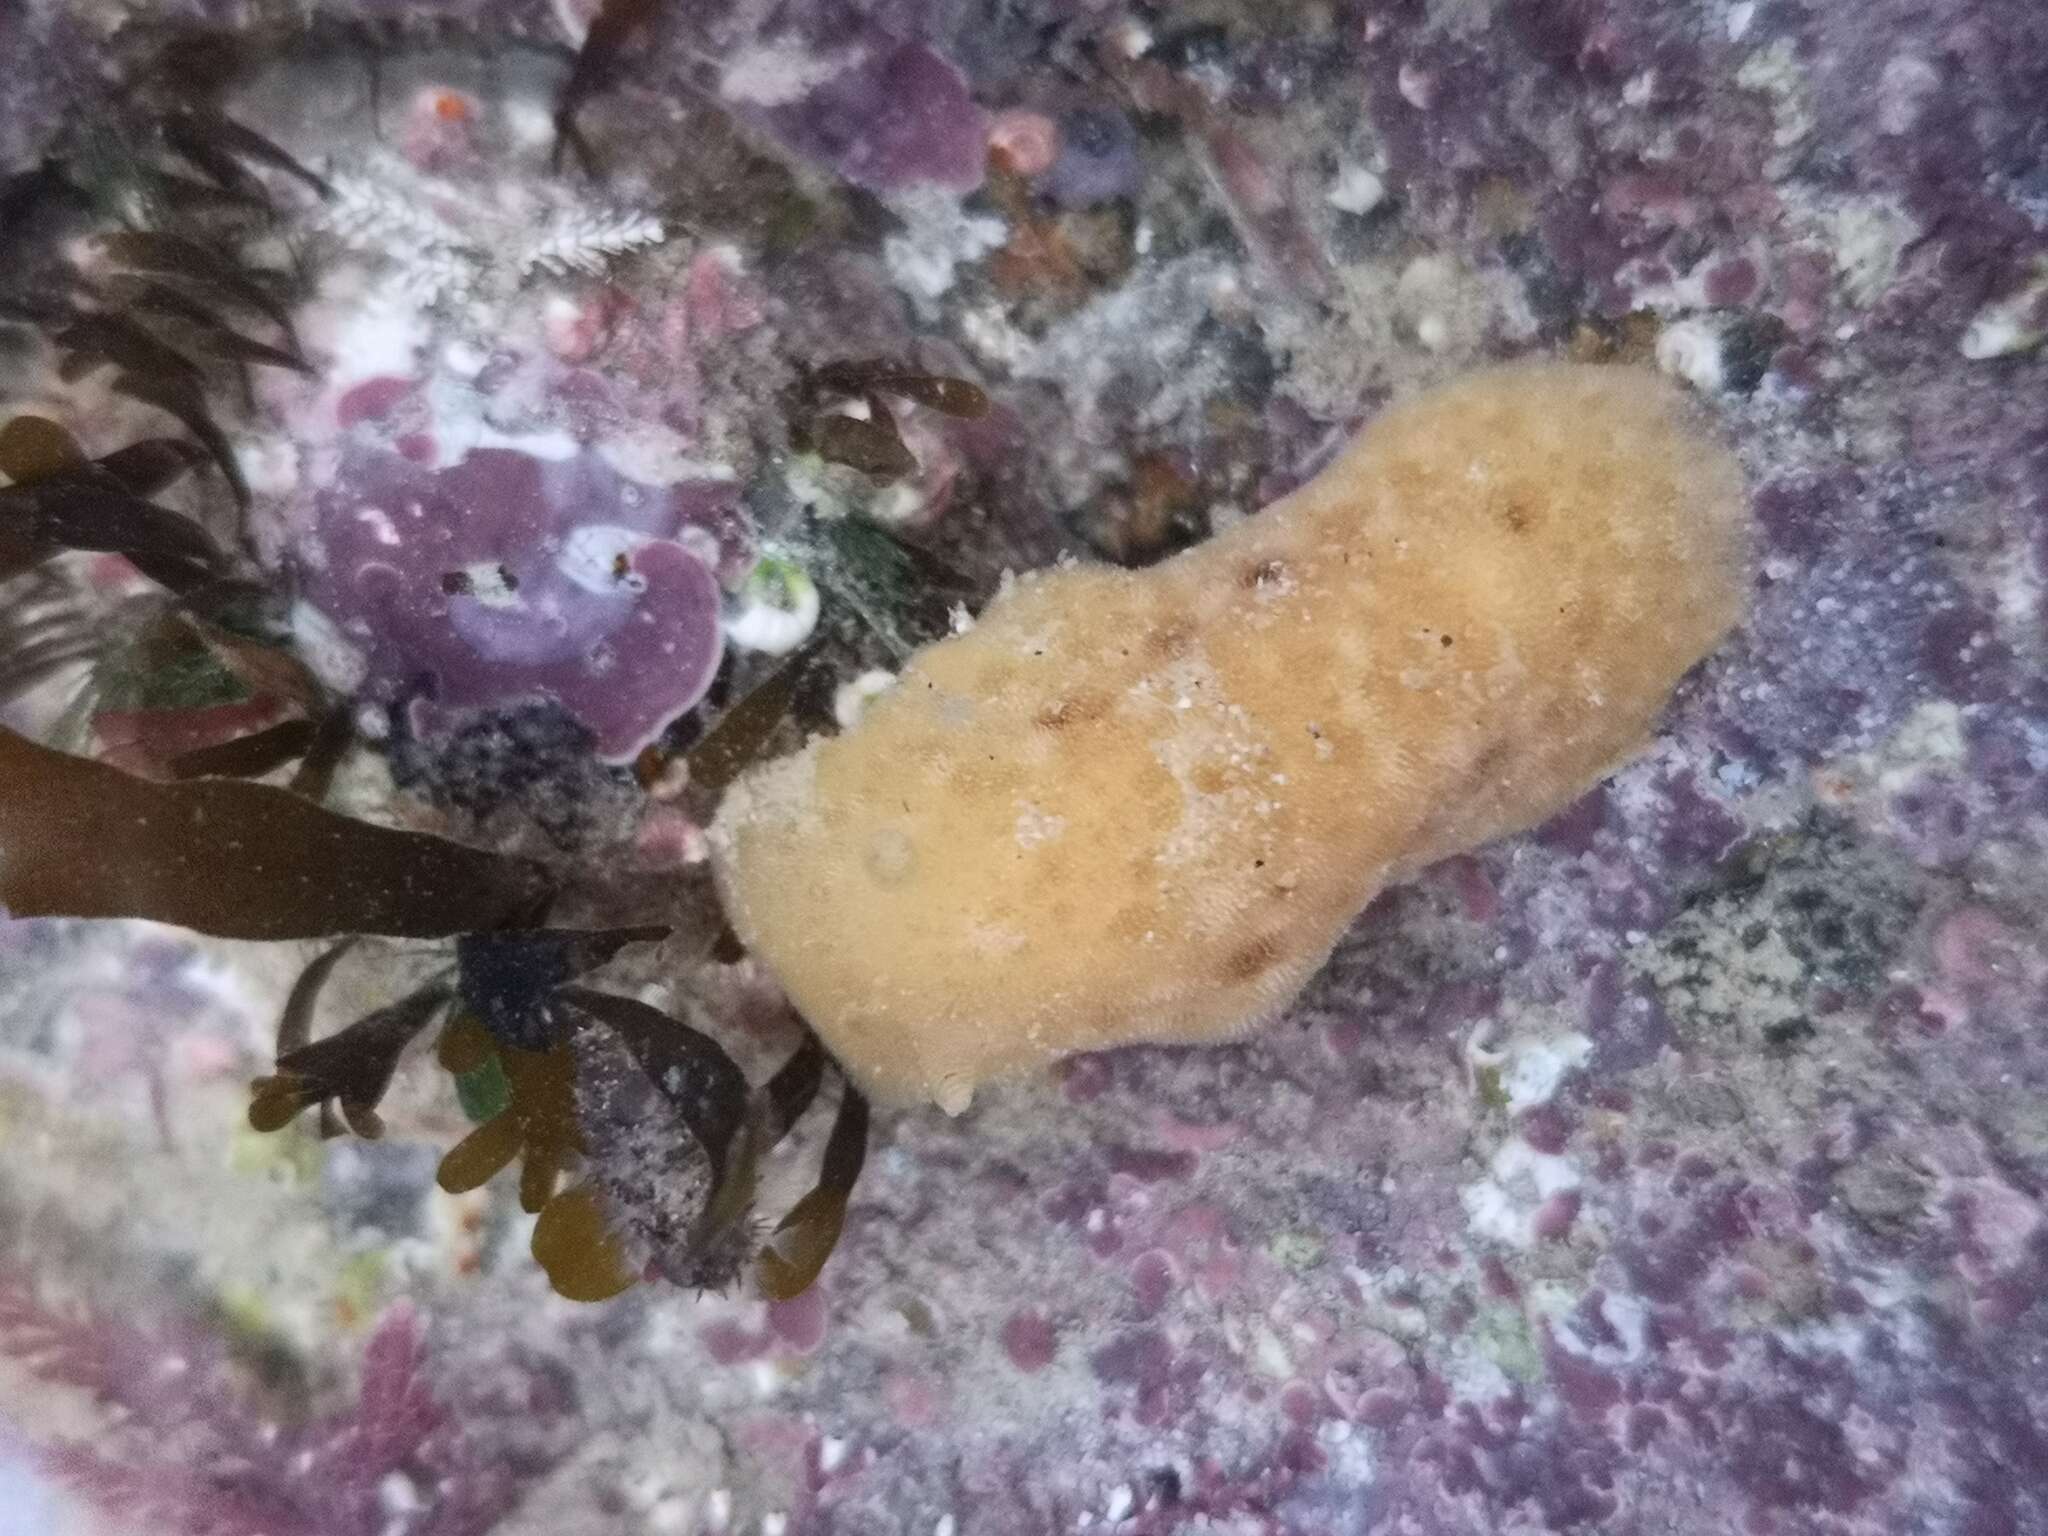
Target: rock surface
{"points": [[1679, 1166]]}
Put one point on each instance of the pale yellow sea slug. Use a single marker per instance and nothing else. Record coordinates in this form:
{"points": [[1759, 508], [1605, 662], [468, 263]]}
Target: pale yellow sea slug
{"points": [[1144, 805]]}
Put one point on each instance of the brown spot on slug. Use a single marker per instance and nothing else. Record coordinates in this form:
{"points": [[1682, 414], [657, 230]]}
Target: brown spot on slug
{"points": [[1251, 961]]}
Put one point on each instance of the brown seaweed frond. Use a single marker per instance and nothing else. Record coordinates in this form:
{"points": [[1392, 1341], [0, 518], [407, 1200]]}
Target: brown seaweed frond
{"points": [[43, 630], [150, 306], [642, 1101], [88, 506], [871, 443], [185, 264], [538, 1123], [504, 987], [881, 375], [61, 501], [806, 1237], [503, 996], [324, 753], [352, 1068], [93, 511], [152, 465], [220, 148], [248, 756], [597, 62], [795, 1085], [155, 318], [742, 735], [656, 1126], [209, 331], [240, 860]]}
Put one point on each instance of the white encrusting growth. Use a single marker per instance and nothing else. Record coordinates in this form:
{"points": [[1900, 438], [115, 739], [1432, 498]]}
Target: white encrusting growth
{"points": [[777, 608], [850, 699], [2017, 322], [1691, 350], [1504, 1205]]}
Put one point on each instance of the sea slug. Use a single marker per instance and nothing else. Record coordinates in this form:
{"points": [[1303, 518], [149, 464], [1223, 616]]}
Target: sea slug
{"points": [[1144, 805]]}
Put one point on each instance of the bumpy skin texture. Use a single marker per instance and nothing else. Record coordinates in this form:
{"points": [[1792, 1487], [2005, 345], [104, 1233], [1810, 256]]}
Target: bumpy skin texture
{"points": [[1144, 805]]}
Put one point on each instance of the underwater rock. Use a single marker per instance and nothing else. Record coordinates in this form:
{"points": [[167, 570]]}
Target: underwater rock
{"points": [[1797, 1285], [900, 118], [1098, 159]]}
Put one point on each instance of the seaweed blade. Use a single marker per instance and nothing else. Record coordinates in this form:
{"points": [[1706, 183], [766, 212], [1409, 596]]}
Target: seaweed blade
{"points": [[247, 861]]}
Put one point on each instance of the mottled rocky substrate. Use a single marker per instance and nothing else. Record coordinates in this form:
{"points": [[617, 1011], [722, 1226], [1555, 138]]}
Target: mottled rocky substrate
{"points": [[1679, 1167]]}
